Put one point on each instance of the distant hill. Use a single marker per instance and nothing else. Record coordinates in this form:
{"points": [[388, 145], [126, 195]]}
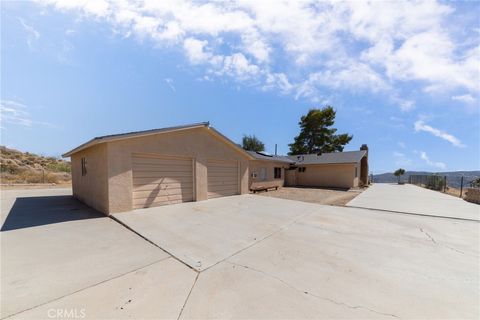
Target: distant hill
{"points": [[25, 167], [453, 177]]}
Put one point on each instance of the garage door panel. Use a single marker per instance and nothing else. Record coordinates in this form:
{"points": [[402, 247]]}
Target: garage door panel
{"points": [[161, 181], [154, 198], [222, 178], [140, 160], [142, 194], [163, 174]]}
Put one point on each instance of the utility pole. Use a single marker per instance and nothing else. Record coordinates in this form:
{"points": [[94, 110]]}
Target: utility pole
{"points": [[275, 149]]}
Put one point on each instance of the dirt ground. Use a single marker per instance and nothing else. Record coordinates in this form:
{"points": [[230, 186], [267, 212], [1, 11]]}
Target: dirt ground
{"points": [[334, 197]]}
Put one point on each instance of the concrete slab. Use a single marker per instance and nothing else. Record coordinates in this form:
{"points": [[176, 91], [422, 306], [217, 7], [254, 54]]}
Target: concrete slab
{"points": [[204, 233], [416, 200], [348, 263], [157, 291], [52, 246]]}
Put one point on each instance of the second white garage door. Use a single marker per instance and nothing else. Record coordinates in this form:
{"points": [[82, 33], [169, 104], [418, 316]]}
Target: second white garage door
{"points": [[222, 178], [160, 180]]}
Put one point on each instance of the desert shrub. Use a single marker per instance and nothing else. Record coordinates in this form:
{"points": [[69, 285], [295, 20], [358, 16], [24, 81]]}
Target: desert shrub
{"points": [[435, 182], [59, 167]]}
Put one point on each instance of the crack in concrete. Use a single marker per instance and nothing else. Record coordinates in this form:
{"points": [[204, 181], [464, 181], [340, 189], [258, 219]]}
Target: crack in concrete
{"points": [[188, 296], [311, 294], [440, 244], [426, 233]]}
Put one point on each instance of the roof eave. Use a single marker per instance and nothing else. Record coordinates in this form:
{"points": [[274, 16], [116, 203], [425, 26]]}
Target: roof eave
{"points": [[111, 138]]}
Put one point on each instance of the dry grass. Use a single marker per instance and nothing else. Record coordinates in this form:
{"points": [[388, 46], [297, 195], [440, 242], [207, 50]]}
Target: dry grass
{"points": [[20, 167]]}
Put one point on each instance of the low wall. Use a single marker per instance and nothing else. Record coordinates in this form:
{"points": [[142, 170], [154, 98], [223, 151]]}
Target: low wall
{"points": [[472, 195]]}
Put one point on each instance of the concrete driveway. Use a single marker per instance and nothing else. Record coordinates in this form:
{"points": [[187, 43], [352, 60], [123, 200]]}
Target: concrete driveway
{"points": [[248, 257], [409, 198], [57, 254], [263, 257]]}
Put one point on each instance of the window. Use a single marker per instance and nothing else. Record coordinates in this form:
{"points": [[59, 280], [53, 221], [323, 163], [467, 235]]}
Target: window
{"points": [[277, 173], [84, 166], [356, 174], [301, 169]]}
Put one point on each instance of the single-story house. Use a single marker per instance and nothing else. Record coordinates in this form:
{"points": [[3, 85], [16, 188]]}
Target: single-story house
{"points": [[141, 169], [337, 169], [194, 162], [268, 171]]}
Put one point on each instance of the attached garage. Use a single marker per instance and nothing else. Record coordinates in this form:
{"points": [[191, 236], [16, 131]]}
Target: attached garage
{"points": [[160, 180], [223, 178], [158, 167]]}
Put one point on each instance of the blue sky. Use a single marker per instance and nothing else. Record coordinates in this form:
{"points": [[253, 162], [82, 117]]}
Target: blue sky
{"points": [[404, 77]]}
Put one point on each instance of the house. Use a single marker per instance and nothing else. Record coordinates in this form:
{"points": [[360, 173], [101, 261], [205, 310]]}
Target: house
{"points": [[337, 169], [268, 171], [193, 162], [157, 167]]}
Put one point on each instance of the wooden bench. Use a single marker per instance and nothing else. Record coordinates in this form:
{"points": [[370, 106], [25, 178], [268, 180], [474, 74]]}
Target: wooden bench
{"points": [[265, 186]]}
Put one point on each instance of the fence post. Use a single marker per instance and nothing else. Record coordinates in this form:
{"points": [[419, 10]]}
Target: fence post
{"points": [[461, 187]]}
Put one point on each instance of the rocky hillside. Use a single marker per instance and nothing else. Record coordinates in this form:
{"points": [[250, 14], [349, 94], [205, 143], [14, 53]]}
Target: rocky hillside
{"points": [[25, 167]]}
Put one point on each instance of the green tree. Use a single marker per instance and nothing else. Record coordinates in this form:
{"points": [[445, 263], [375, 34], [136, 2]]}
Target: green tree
{"points": [[398, 173], [252, 143], [317, 135]]}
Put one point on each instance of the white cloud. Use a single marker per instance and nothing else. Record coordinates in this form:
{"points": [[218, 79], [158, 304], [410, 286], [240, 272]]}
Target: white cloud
{"points": [[15, 113], [466, 98], [421, 126], [32, 34], [169, 83], [316, 46], [440, 165], [401, 144], [195, 50]]}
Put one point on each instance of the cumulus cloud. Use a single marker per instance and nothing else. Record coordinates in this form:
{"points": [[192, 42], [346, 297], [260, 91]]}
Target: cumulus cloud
{"points": [[421, 126], [439, 165], [306, 47]]}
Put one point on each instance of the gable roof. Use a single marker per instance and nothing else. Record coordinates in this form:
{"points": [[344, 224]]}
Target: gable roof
{"points": [[268, 157], [329, 158], [136, 134]]}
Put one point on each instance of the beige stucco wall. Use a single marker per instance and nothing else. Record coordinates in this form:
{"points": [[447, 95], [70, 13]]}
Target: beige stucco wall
{"points": [[256, 165], [200, 144], [331, 175], [91, 188]]}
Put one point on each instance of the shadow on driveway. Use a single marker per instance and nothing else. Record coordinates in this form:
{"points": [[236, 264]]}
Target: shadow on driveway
{"points": [[37, 211]]}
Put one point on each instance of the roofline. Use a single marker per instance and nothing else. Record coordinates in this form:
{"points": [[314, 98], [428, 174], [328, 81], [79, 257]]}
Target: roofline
{"points": [[121, 136]]}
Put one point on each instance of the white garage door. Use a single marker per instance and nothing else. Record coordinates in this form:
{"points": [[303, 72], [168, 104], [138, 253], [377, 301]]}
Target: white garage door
{"points": [[159, 180], [222, 178]]}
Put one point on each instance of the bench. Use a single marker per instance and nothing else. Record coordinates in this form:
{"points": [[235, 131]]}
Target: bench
{"points": [[265, 186]]}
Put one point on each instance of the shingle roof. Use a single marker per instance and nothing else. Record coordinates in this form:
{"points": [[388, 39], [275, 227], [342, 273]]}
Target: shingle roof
{"points": [[329, 158], [268, 157]]}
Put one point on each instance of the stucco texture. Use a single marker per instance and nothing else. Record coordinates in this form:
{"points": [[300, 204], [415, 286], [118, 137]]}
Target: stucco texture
{"points": [[91, 188], [200, 144], [338, 176], [256, 166]]}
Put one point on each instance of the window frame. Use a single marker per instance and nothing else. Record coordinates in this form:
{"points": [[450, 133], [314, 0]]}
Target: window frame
{"points": [[277, 173], [84, 166]]}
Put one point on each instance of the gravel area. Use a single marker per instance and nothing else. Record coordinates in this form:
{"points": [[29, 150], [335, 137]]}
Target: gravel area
{"points": [[335, 197]]}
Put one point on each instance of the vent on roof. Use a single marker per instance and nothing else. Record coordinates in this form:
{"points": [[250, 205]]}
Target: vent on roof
{"points": [[264, 154]]}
